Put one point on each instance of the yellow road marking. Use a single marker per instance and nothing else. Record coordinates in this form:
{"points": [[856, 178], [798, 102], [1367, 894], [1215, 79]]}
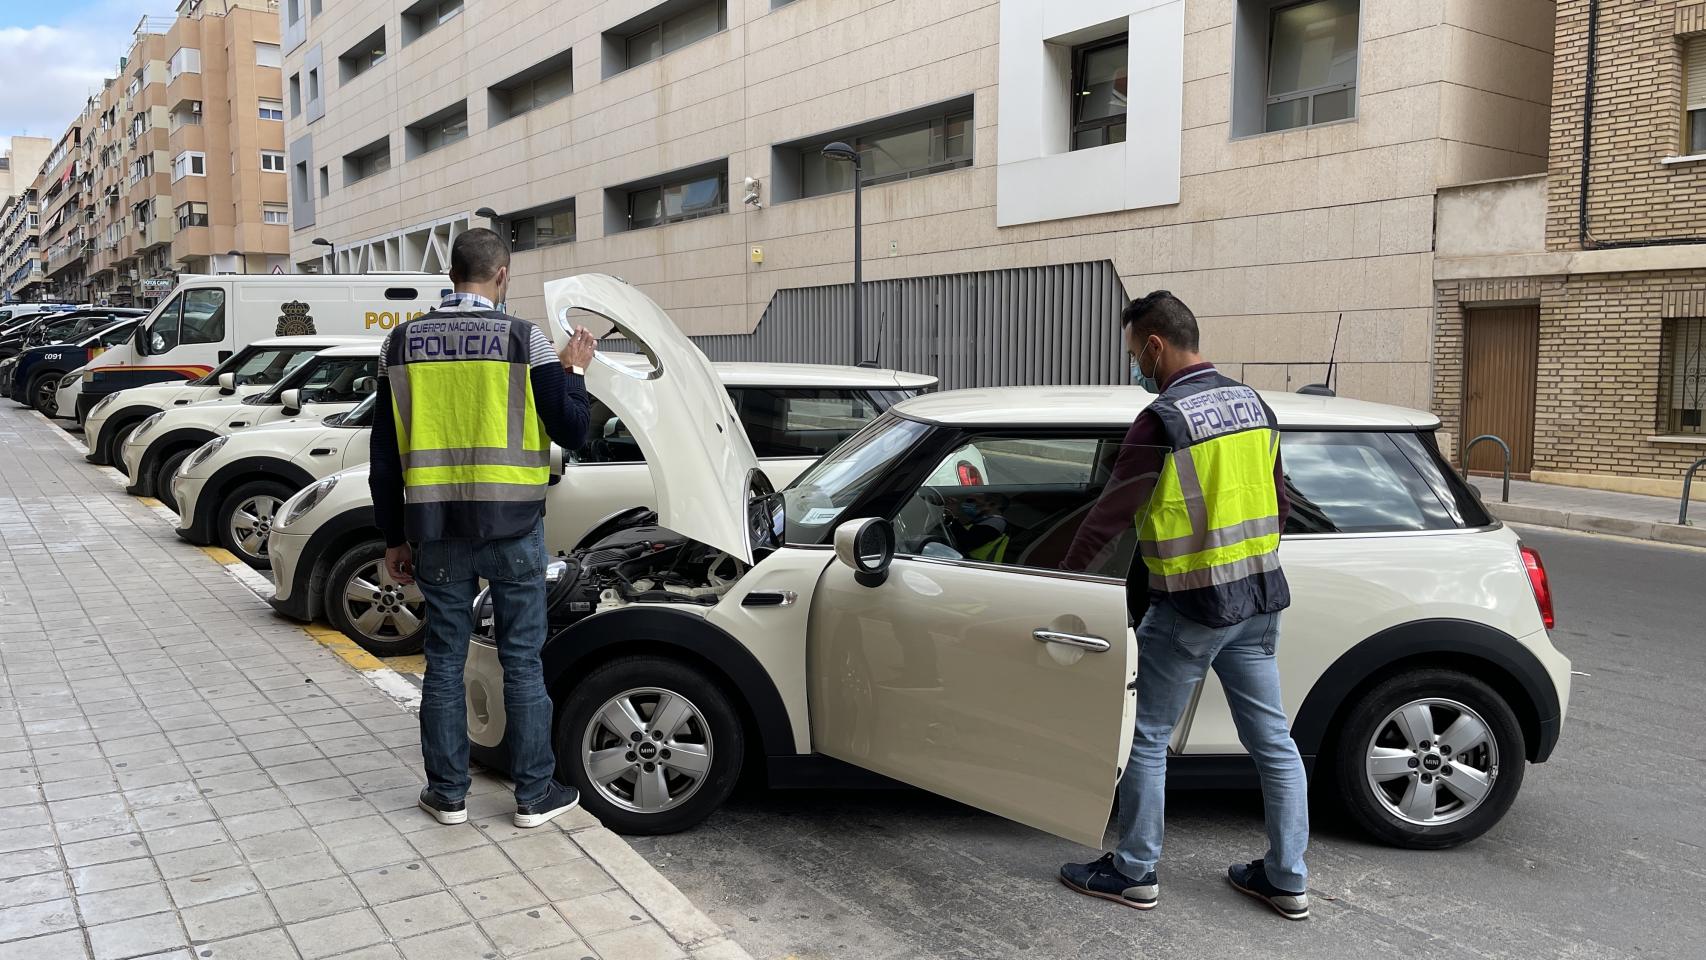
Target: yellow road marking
{"points": [[149, 502], [222, 555], [347, 649]]}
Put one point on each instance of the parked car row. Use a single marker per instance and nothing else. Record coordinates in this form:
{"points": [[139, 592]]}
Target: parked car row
{"points": [[705, 626]]}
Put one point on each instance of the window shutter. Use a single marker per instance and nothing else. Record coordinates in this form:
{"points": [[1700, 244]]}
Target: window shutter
{"points": [[1694, 72]]}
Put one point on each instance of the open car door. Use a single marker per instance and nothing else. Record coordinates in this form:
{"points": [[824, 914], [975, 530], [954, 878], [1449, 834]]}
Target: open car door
{"points": [[977, 667]]}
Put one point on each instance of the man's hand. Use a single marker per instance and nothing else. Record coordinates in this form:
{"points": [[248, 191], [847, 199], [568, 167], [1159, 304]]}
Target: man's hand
{"points": [[400, 564], [580, 349]]}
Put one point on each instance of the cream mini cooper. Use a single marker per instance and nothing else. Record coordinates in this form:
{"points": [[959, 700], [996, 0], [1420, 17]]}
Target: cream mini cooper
{"points": [[900, 608]]}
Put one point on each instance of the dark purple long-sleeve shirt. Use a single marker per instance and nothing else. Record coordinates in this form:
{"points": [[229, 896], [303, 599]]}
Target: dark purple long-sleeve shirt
{"points": [[1133, 480]]}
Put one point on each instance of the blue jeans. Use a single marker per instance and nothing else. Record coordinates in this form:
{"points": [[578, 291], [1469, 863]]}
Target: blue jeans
{"points": [[449, 573], [1175, 653]]}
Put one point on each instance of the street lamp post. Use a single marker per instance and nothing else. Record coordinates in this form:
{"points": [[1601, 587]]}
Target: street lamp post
{"points": [[323, 242], [839, 150]]}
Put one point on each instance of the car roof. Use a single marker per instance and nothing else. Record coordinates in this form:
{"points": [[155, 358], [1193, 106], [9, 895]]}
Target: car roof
{"points": [[367, 348], [313, 341], [1118, 406], [747, 373]]}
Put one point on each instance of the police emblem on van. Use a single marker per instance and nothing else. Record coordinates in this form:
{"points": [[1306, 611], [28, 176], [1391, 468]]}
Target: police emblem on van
{"points": [[294, 321]]}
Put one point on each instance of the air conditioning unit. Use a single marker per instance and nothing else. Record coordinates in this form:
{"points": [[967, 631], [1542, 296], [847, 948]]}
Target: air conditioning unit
{"points": [[195, 106]]}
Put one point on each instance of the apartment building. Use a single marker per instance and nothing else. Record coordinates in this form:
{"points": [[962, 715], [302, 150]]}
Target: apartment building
{"points": [[177, 165], [20, 218], [1572, 304], [1027, 166]]}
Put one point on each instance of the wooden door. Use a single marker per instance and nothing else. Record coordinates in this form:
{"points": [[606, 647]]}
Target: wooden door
{"points": [[1501, 353]]}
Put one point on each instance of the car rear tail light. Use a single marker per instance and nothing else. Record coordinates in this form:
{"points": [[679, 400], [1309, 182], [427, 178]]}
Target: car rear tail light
{"points": [[1542, 587], [970, 476]]}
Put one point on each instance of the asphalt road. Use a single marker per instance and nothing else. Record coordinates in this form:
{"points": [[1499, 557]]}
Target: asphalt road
{"points": [[1601, 857]]}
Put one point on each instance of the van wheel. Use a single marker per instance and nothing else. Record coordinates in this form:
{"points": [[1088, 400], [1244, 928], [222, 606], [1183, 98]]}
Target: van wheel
{"points": [[652, 744], [163, 475], [44, 393], [363, 603], [245, 518], [1429, 759]]}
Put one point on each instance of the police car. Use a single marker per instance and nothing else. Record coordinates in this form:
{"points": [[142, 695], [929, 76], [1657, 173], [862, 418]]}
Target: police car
{"points": [[839, 625]]}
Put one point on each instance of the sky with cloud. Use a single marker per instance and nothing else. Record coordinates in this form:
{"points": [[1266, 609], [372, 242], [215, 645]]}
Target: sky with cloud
{"points": [[54, 53]]}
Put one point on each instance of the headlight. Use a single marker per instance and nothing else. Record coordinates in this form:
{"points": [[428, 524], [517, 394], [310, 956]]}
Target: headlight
{"points": [[104, 403], [147, 425], [69, 380], [202, 453], [306, 500]]}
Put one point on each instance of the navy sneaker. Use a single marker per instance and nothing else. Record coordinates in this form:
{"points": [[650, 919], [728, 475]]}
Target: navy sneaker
{"points": [[1252, 879], [1101, 878], [448, 812], [558, 800]]}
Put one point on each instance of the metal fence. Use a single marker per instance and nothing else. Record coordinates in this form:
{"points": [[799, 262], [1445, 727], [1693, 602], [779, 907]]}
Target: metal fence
{"points": [[1028, 325]]}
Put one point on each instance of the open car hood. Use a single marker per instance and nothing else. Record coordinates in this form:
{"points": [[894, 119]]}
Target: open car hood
{"points": [[708, 482]]}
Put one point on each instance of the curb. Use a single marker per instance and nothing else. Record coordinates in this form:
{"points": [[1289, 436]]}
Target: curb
{"points": [[1655, 531]]}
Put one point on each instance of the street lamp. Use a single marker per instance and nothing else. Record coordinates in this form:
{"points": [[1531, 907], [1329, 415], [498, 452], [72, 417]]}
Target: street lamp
{"points": [[492, 218], [840, 151], [323, 242], [238, 255]]}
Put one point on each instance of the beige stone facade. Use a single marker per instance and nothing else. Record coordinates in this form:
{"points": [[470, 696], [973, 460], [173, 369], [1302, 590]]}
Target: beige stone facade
{"points": [[1617, 286], [20, 217], [1272, 238], [163, 171]]}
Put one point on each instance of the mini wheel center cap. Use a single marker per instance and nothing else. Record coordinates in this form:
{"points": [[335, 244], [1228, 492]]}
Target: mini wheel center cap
{"points": [[647, 750], [1431, 762]]}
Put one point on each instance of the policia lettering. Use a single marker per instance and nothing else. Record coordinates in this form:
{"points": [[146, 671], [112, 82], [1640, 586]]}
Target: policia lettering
{"points": [[1209, 535], [476, 459]]}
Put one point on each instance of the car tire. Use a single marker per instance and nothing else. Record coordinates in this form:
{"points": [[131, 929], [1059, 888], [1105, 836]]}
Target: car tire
{"points": [[163, 474], [709, 722], [48, 384], [114, 441], [258, 501], [1385, 778], [382, 625]]}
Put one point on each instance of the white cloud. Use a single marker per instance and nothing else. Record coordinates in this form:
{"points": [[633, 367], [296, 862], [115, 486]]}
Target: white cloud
{"points": [[48, 70]]}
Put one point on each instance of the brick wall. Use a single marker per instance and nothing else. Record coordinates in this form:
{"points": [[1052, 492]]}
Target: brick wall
{"points": [[1597, 391], [1638, 121]]}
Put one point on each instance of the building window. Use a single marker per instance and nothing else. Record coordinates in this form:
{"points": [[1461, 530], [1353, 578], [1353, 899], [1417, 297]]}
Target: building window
{"points": [[443, 128], [192, 215], [267, 55], [653, 33], [373, 159], [325, 180], [272, 161], [1312, 64], [313, 85], [189, 164], [272, 109], [296, 95], [426, 16], [889, 152], [545, 227], [299, 190], [364, 56], [1694, 88], [675, 200], [542, 83], [187, 113], [1099, 93], [185, 60], [1682, 377], [275, 213]]}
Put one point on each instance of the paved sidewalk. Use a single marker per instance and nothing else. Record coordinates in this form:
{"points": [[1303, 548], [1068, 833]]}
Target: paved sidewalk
{"points": [[1594, 511], [184, 775]]}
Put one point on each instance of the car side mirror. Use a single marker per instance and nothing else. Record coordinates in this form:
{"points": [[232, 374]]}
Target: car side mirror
{"points": [[292, 401], [366, 385], [227, 384], [558, 456], [866, 545]]}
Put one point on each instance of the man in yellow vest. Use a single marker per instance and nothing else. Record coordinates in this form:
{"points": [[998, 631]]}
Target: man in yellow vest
{"points": [[469, 401], [1202, 482]]}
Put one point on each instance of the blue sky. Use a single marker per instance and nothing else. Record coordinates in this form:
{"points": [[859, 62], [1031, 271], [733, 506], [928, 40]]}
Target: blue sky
{"points": [[54, 53]]}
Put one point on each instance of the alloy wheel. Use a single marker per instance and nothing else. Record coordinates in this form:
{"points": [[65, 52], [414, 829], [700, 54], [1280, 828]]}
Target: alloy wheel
{"points": [[47, 397], [252, 521], [1432, 762], [380, 607], [647, 750]]}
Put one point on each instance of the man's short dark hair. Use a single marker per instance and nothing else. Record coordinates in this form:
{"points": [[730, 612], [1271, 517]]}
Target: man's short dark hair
{"points": [[1163, 315], [476, 256]]}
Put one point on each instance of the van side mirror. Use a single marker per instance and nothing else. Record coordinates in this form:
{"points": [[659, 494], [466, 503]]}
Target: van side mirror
{"points": [[227, 384], [866, 545], [292, 401]]}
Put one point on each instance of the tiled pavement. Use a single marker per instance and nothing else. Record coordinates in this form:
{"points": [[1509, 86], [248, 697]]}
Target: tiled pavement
{"points": [[184, 775]]}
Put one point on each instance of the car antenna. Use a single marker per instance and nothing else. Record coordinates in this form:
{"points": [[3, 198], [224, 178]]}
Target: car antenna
{"points": [[1326, 389]]}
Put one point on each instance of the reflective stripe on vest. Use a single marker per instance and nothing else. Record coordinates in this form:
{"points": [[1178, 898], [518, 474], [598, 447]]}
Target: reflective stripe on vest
{"points": [[995, 551]]}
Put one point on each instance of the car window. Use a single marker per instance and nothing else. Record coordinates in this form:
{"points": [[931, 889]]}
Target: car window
{"points": [[798, 422], [203, 317], [608, 439], [817, 499], [1018, 501], [340, 380], [1355, 482], [117, 335]]}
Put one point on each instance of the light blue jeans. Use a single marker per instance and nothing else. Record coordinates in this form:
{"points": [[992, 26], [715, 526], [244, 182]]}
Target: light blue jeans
{"points": [[1175, 654], [449, 574]]}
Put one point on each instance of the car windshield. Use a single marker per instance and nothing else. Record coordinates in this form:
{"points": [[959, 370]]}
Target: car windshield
{"points": [[361, 416], [260, 366], [326, 380], [815, 502]]}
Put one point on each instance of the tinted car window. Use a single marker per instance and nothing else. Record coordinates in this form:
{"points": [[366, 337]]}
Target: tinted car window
{"points": [[1343, 482], [797, 422], [608, 439]]}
